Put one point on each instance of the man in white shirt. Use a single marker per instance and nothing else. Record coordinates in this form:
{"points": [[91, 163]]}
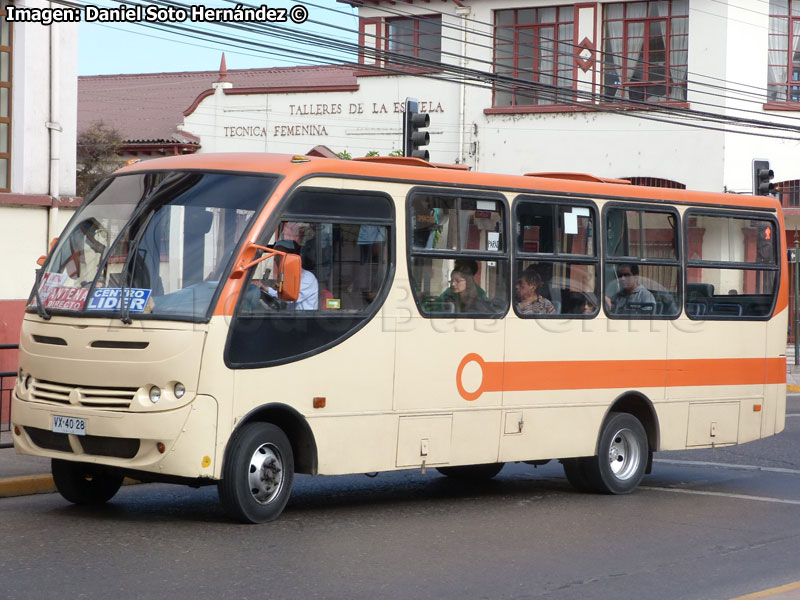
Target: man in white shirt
{"points": [[308, 299]]}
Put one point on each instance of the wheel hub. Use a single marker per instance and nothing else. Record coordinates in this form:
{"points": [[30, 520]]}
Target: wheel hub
{"points": [[624, 454], [265, 476]]}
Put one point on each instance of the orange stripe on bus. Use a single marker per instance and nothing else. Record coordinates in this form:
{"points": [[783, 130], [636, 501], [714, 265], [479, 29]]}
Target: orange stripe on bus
{"points": [[599, 374]]}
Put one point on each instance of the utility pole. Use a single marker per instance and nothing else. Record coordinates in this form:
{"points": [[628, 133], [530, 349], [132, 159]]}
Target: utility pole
{"points": [[796, 299]]}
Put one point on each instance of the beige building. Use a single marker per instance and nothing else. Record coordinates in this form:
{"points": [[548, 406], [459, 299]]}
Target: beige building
{"points": [[38, 103]]}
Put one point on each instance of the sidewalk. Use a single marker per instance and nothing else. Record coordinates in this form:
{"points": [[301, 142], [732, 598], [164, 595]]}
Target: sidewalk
{"points": [[792, 372], [22, 475]]}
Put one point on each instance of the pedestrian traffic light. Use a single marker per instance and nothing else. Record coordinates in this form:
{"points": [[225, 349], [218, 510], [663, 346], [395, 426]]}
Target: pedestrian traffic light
{"points": [[413, 137], [762, 178], [765, 248]]}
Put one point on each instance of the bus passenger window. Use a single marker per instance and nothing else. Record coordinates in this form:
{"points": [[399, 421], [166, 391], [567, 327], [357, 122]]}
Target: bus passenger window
{"points": [[458, 286], [556, 271], [642, 270], [458, 261], [732, 271]]}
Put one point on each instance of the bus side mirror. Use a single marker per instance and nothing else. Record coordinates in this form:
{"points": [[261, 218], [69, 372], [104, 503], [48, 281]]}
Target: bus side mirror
{"points": [[43, 257], [289, 275]]}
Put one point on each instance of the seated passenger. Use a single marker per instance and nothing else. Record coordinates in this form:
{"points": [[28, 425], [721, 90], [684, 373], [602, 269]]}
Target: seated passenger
{"points": [[469, 267], [530, 302], [632, 297], [463, 293], [587, 304]]}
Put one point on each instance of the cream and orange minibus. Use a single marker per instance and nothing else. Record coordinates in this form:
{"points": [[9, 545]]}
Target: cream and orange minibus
{"points": [[236, 319]]}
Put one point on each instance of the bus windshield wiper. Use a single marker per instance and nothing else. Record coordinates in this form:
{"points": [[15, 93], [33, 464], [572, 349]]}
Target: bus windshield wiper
{"points": [[40, 309]]}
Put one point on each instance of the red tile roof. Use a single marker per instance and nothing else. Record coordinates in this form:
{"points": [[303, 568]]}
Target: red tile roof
{"points": [[145, 108]]}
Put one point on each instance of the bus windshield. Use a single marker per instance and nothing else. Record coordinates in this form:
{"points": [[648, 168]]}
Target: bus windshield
{"points": [[150, 245]]}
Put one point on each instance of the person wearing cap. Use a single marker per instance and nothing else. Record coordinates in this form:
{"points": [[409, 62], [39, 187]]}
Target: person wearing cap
{"points": [[308, 299]]}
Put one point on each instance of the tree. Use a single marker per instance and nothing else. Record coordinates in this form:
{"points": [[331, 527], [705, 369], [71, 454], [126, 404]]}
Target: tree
{"points": [[97, 156], [344, 155]]}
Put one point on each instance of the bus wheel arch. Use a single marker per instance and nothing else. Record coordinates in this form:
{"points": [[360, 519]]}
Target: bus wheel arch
{"points": [[640, 406], [296, 428]]}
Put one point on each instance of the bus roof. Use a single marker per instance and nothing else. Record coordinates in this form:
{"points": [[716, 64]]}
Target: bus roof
{"points": [[295, 167]]}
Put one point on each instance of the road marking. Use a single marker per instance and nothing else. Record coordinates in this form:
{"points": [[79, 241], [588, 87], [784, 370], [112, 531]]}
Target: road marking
{"points": [[700, 463], [790, 416], [771, 592], [721, 494]]}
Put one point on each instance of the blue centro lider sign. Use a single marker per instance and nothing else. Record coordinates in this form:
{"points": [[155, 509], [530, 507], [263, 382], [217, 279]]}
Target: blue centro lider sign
{"points": [[109, 299]]}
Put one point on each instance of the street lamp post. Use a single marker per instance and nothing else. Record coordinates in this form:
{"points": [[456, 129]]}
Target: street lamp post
{"points": [[796, 299]]}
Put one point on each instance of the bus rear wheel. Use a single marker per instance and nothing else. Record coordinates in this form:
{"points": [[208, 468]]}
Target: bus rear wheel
{"points": [[85, 483], [258, 473], [621, 461], [472, 472]]}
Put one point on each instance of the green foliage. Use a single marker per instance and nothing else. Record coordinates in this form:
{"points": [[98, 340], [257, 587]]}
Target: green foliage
{"points": [[373, 153], [344, 155], [396, 153], [96, 155]]}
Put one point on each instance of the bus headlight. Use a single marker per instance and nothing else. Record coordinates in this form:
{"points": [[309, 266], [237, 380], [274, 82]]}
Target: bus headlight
{"points": [[155, 394], [179, 390]]}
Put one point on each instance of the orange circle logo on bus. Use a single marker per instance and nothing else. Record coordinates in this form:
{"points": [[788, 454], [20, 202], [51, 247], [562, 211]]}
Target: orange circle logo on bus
{"points": [[466, 394]]}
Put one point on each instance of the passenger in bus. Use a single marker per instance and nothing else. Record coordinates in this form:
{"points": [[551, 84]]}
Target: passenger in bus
{"points": [[308, 299], [468, 267], [632, 297], [463, 293], [530, 302], [587, 305]]}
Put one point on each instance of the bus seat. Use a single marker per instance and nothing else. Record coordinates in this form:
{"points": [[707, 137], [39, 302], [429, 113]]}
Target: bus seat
{"points": [[665, 303], [725, 309], [438, 306], [696, 309], [699, 290]]}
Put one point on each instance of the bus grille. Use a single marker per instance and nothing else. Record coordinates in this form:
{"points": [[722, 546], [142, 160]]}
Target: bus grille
{"points": [[82, 395], [91, 444]]}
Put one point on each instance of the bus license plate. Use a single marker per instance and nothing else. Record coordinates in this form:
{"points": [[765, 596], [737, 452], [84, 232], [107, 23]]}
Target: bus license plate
{"points": [[72, 425]]}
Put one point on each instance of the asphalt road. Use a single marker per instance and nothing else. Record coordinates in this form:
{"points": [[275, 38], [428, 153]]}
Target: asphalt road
{"points": [[705, 525]]}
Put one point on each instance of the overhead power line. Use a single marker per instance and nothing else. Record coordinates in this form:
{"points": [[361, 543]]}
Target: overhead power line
{"points": [[400, 63]]}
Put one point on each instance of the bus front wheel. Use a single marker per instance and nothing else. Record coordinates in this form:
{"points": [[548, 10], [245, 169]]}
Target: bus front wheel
{"points": [[85, 483], [621, 456], [258, 473]]}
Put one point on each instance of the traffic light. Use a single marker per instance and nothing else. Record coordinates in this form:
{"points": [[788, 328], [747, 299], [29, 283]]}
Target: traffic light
{"points": [[762, 178], [765, 248], [413, 137]]}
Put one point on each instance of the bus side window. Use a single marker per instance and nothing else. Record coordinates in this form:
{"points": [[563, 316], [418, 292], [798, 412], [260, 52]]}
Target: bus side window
{"points": [[642, 264], [556, 266], [732, 270], [458, 259]]}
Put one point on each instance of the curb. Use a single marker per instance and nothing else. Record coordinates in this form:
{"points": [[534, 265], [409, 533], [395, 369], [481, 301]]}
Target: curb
{"points": [[26, 485], [792, 388]]}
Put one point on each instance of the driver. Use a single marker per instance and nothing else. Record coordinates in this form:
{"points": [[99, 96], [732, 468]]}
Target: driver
{"points": [[308, 299]]}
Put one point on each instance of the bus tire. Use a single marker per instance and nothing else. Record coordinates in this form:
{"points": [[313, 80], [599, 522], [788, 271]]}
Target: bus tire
{"points": [[621, 456], [575, 470], [472, 472], [258, 473], [85, 483]]}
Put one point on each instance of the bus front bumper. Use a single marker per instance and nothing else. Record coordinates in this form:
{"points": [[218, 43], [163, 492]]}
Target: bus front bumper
{"points": [[180, 442]]}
